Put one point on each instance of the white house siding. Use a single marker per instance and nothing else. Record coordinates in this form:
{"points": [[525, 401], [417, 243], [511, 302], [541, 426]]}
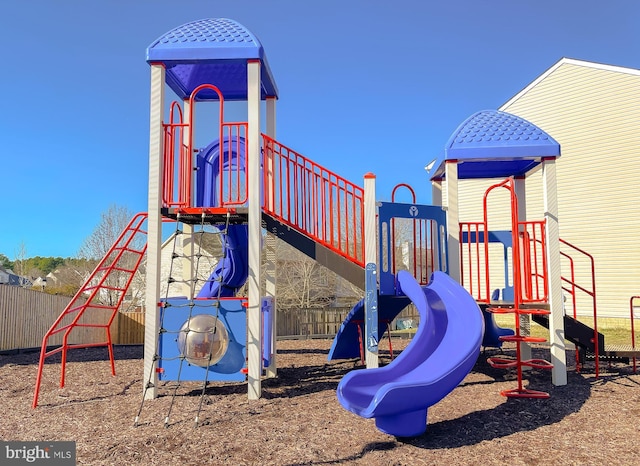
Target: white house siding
{"points": [[172, 266], [593, 111]]}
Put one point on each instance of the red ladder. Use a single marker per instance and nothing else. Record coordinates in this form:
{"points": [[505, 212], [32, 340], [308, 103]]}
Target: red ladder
{"points": [[104, 290]]}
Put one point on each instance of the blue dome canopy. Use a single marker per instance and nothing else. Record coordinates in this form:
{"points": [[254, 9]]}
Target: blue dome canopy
{"points": [[493, 144], [213, 51]]}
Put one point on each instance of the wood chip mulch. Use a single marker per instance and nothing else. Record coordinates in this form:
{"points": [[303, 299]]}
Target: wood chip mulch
{"points": [[299, 421]]}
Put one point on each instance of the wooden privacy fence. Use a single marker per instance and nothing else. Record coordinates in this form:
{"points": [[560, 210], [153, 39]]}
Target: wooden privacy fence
{"points": [[323, 322], [26, 315]]}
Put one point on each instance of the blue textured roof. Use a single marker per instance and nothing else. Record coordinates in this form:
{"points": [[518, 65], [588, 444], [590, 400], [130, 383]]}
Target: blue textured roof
{"points": [[492, 144], [213, 51]]}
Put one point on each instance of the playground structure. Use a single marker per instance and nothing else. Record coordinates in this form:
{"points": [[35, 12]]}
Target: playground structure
{"points": [[243, 181]]}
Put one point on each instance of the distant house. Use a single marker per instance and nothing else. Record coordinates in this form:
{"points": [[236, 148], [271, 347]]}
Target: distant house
{"points": [[206, 251], [7, 277], [593, 111]]}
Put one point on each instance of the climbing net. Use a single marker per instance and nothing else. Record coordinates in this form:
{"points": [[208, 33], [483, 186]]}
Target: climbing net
{"points": [[202, 339]]}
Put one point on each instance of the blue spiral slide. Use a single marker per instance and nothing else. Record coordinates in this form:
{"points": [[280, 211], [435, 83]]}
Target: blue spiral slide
{"points": [[441, 354]]}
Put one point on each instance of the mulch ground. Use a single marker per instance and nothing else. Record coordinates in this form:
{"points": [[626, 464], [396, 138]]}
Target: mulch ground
{"points": [[299, 421]]}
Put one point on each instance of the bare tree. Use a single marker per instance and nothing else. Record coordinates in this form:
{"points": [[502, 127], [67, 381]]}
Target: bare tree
{"points": [[98, 246], [303, 283], [68, 278], [21, 265], [112, 222]]}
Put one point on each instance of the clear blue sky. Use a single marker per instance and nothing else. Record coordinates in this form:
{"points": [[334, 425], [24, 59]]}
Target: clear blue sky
{"points": [[365, 85]]}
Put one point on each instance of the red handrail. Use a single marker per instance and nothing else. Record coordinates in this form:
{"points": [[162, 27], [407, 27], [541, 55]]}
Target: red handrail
{"points": [[472, 229], [232, 189], [304, 195], [174, 140], [589, 291], [534, 261], [234, 181], [633, 330]]}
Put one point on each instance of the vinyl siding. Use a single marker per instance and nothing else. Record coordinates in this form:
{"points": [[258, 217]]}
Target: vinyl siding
{"points": [[594, 113]]}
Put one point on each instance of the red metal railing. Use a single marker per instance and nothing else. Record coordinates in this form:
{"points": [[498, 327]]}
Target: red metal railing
{"points": [[528, 259], [633, 330], [571, 286], [314, 200], [297, 191], [104, 291], [535, 286], [422, 234], [177, 161], [232, 187], [233, 182], [474, 261]]}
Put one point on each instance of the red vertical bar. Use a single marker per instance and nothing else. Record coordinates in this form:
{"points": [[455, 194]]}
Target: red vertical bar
{"points": [[633, 330]]}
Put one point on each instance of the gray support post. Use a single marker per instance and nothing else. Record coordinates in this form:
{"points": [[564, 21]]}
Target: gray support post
{"points": [[453, 221], [556, 319], [371, 282], [154, 230], [254, 310]]}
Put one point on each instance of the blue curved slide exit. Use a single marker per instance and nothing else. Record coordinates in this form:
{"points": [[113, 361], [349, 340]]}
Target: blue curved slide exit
{"points": [[442, 352], [231, 272], [346, 344]]}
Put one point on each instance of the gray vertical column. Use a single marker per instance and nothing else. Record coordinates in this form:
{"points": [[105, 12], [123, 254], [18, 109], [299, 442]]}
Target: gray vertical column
{"points": [[370, 260], [254, 311], [556, 319], [453, 221], [154, 228]]}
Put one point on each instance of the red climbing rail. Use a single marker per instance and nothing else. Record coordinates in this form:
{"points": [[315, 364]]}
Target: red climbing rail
{"points": [[474, 261], [104, 292]]}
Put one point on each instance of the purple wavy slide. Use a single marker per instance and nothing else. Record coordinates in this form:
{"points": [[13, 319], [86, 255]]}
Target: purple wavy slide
{"points": [[443, 351]]}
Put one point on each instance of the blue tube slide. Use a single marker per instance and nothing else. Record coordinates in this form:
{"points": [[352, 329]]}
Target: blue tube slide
{"points": [[441, 354], [231, 272]]}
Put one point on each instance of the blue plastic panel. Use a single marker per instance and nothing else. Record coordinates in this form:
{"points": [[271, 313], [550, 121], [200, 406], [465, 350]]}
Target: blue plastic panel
{"points": [[214, 51], [231, 313], [495, 144], [390, 210]]}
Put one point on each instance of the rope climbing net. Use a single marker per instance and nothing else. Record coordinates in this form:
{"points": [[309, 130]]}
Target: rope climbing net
{"points": [[202, 338]]}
